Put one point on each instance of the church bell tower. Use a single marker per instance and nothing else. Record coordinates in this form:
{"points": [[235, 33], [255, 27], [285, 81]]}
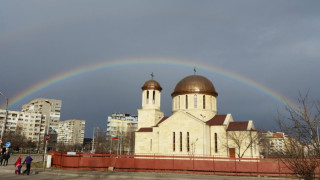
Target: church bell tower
{"points": [[150, 114]]}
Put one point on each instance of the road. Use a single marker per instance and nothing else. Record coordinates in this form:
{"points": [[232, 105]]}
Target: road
{"points": [[124, 175]]}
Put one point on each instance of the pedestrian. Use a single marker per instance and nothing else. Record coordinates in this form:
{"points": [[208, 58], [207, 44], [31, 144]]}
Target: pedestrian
{"points": [[6, 158], [1, 159], [18, 166], [28, 161]]}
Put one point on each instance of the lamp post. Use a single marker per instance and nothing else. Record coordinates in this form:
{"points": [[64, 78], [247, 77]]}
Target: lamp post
{"points": [[5, 120], [92, 148], [48, 120], [318, 131]]}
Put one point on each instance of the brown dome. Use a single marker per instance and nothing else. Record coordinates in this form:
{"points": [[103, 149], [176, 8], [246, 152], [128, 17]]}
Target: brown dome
{"points": [[194, 84], [151, 85]]}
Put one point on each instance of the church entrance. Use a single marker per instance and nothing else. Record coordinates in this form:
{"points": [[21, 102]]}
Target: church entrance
{"points": [[232, 152]]}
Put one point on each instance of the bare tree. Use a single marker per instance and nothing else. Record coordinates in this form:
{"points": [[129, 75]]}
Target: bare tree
{"points": [[301, 124], [19, 141], [68, 147], [242, 141], [101, 141]]}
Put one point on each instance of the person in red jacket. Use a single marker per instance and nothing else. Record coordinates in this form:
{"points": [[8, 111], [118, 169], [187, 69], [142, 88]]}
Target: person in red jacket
{"points": [[18, 166]]}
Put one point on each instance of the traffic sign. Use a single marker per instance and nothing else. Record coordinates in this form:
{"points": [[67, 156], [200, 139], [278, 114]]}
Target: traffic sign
{"points": [[8, 144], [47, 137]]}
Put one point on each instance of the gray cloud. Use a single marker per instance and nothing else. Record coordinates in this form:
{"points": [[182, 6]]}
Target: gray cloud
{"points": [[271, 42]]}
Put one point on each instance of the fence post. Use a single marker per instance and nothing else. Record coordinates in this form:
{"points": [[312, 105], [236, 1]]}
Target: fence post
{"points": [[235, 165], [258, 161], [279, 167], [60, 160], [214, 166], [154, 162], [78, 160], [193, 163], [173, 162]]}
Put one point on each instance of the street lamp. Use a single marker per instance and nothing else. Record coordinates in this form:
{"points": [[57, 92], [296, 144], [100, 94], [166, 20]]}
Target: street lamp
{"points": [[5, 120]]}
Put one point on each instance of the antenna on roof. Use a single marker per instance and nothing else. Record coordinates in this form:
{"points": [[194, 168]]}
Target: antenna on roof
{"points": [[152, 75]]}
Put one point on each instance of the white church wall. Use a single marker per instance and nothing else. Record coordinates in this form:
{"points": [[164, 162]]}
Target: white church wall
{"points": [[222, 150], [149, 117], [180, 122], [143, 143]]}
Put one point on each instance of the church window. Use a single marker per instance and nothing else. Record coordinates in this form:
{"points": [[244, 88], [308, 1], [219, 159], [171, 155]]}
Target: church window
{"points": [[153, 97], [179, 102], [216, 142], [186, 101], [147, 97], [188, 142], [150, 144], [181, 141], [195, 101], [204, 102], [174, 142]]}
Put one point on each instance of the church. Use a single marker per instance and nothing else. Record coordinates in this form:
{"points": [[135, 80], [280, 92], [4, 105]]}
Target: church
{"points": [[194, 128]]}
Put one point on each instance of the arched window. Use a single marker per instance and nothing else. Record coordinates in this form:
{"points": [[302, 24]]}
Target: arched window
{"points": [[186, 101], [153, 97], [195, 101], [147, 97], [204, 102], [188, 142], [179, 103], [216, 142], [181, 141], [174, 142]]}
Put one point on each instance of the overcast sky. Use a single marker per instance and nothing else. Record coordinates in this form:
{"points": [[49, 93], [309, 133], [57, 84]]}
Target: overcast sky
{"points": [[275, 43]]}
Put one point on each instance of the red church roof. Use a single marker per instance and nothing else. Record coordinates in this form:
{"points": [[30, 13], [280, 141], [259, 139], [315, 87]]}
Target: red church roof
{"points": [[163, 119], [238, 126], [145, 129], [216, 120]]}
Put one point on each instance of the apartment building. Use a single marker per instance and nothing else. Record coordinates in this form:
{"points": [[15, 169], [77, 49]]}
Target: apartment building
{"points": [[71, 131], [29, 124], [119, 123], [50, 110], [273, 143]]}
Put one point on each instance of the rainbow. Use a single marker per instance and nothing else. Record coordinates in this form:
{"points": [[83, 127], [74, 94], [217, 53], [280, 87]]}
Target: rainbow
{"points": [[124, 62]]}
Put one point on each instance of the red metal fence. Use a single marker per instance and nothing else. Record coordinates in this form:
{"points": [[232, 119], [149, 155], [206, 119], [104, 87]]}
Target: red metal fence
{"points": [[180, 164]]}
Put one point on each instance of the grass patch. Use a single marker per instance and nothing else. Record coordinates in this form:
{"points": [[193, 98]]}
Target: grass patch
{"points": [[37, 164]]}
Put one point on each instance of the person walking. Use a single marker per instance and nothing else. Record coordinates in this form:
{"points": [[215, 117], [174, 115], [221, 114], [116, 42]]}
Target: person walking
{"points": [[18, 166], [28, 161], [1, 159], [6, 158]]}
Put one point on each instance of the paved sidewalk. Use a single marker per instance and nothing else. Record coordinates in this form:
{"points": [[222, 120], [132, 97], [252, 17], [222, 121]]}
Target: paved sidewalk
{"points": [[53, 172]]}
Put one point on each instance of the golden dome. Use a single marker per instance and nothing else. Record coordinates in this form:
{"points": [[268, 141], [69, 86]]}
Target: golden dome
{"points": [[151, 85], [194, 84]]}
